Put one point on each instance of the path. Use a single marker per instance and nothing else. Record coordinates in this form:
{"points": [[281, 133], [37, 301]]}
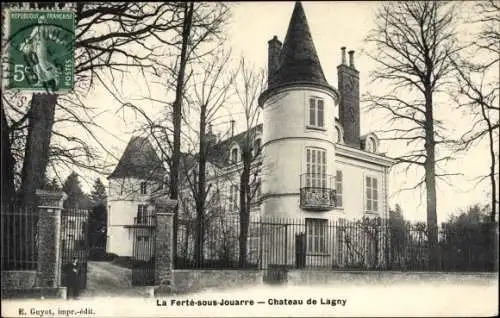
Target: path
{"points": [[107, 279]]}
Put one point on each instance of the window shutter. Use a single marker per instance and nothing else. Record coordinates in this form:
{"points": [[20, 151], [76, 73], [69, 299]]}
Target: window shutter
{"points": [[364, 193]]}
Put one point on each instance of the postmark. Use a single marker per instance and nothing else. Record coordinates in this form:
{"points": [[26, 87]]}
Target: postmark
{"points": [[41, 50]]}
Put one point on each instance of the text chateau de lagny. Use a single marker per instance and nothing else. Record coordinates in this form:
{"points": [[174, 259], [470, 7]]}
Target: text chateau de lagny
{"points": [[250, 302]]}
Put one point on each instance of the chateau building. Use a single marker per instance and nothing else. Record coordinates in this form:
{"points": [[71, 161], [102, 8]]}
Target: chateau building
{"points": [[313, 165]]}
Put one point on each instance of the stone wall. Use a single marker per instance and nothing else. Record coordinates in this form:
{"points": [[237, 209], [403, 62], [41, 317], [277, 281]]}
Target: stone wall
{"points": [[18, 279], [306, 277], [196, 280], [22, 284]]}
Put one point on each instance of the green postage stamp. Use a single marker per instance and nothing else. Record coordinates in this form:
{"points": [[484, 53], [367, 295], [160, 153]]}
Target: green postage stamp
{"points": [[41, 50]]}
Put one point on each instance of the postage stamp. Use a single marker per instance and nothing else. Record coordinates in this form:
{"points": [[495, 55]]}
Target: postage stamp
{"points": [[41, 50]]}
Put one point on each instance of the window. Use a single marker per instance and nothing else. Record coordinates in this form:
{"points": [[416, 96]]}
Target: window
{"points": [[143, 188], [316, 235], [371, 188], [372, 146], [338, 189], [315, 168], [142, 214], [234, 194], [316, 112], [71, 224], [234, 155]]}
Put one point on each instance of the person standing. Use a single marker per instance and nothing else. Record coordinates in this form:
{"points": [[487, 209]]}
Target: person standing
{"points": [[72, 271]]}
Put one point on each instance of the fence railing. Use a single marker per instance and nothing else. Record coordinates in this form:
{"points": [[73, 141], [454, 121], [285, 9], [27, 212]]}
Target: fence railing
{"points": [[19, 237], [219, 246], [74, 242], [367, 244], [321, 243], [143, 259]]}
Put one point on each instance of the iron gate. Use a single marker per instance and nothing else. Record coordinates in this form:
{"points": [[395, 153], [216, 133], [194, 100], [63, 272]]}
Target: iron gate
{"points": [[143, 260], [74, 242]]}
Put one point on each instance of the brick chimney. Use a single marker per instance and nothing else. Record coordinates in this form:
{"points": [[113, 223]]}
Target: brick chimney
{"points": [[232, 127], [349, 110], [273, 57]]}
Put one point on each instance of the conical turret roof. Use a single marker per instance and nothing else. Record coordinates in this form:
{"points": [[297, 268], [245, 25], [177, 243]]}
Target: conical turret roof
{"points": [[139, 160], [299, 61]]}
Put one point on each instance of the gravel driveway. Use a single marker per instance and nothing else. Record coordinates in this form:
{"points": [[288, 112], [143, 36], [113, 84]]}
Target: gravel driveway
{"points": [[106, 279]]}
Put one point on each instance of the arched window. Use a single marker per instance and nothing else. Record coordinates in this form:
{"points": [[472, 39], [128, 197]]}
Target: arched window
{"points": [[374, 145], [371, 144], [234, 155]]}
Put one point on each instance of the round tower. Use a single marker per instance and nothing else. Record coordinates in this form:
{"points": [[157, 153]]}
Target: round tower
{"points": [[298, 149]]}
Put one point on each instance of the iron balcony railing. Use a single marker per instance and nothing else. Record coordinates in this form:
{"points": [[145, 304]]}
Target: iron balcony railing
{"points": [[145, 221], [317, 191]]}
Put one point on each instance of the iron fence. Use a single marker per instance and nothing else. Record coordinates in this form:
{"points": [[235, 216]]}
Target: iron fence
{"points": [[19, 237], [74, 243], [371, 243], [143, 260], [219, 247], [320, 243]]}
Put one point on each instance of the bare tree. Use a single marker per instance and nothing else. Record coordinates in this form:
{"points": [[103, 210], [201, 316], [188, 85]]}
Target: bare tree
{"points": [[477, 90], [477, 93], [104, 35], [248, 85], [210, 91], [200, 31], [413, 43]]}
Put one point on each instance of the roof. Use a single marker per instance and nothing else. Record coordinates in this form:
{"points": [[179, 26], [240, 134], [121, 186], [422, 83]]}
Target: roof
{"points": [[219, 153], [139, 160], [299, 61]]}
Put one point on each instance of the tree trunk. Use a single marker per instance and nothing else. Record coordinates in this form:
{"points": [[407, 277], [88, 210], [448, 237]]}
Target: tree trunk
{"points": [[177, 115], [36, 157], [492, 169], [7, 162], [430, 182], [244, 208], [201, 191], [493, 239]]}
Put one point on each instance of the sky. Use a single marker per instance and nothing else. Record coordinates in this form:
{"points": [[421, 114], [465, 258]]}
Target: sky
{"points": [[333, 25]]}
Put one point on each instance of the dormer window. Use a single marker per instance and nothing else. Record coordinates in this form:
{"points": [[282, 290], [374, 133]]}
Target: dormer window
{"points": [[371, 145], [234, 155], [316, 113]]}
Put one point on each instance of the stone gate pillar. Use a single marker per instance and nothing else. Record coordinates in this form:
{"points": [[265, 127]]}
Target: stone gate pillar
{"points": [[164, 243], [49, 238]]}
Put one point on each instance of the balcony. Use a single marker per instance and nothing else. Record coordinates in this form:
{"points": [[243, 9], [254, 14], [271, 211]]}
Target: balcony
{"points": [[317, 192], [143, 221]]}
